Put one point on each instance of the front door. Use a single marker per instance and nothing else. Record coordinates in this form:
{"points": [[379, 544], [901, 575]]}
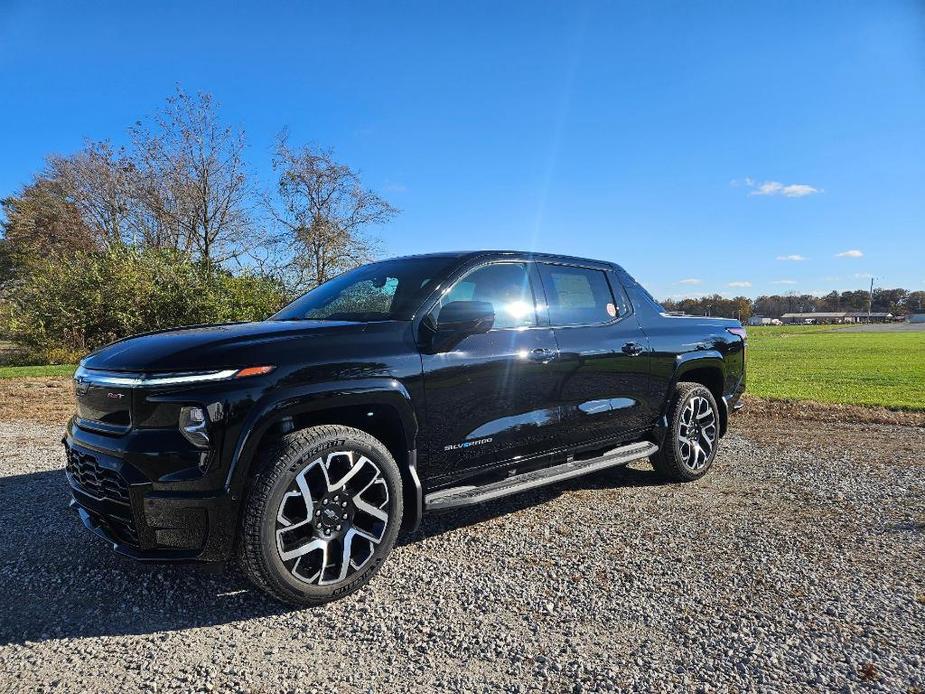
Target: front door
{"points": [[603, 365], [491, 398]]}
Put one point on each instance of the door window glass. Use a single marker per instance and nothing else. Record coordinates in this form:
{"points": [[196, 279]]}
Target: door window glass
{"points": [[577, 296], [506, 286]]}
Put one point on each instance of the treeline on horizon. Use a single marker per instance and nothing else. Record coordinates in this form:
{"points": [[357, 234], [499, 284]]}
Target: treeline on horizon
{"points": [[173, 228], [899, 302]]}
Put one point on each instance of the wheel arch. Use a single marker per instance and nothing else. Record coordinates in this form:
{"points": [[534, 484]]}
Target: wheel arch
{"points": [[709, 370], [380, 407]]}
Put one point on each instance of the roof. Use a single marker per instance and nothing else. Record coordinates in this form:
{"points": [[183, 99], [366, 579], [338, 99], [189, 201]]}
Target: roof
{"points": [[500, 253], [864, 314]]}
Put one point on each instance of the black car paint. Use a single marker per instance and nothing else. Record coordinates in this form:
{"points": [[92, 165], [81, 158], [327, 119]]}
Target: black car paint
{"points": [[508, 398]]}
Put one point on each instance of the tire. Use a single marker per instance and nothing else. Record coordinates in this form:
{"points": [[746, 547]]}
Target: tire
{"points": [[685, 457], [322, 515]]}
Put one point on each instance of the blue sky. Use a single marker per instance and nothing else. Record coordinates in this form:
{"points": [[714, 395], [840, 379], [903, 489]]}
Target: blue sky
{"points": [[699, 142]]}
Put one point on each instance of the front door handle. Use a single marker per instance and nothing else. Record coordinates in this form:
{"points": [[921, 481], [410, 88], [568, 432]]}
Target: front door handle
{"points": [[633, 349], [542, 355]]}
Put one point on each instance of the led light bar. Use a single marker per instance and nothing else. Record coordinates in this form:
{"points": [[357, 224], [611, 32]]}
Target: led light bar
{"points": [[110, 378]]}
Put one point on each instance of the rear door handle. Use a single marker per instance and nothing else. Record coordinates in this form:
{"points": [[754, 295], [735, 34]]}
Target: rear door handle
{"points": [[634, 349], [542, 355]]}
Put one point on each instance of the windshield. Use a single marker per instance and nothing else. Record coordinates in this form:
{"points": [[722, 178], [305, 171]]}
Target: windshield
{"points": [[390, 290]]}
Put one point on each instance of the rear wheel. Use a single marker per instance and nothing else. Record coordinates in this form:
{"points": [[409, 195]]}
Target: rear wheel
{"points": [[693, 434], [323, 514]]}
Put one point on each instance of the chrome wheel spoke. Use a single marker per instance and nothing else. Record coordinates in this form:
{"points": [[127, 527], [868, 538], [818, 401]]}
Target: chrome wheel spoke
{"points": [[305, 493], [303, 549], [355, 468], [376, 513], [700, 456]]}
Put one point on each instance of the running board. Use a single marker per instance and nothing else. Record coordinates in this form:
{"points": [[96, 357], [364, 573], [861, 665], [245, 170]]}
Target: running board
{"points": [[469, 495]]}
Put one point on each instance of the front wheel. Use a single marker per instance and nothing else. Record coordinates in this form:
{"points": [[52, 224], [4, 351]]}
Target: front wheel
{"points": [[322, 516], [693, 434]]}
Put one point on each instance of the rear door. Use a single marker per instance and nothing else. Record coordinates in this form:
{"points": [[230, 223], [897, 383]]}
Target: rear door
{"points": [[603, 366], [491, 398]]}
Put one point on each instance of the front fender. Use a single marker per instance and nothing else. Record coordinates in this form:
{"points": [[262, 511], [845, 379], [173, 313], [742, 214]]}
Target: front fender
{"points": [[313, 398]]}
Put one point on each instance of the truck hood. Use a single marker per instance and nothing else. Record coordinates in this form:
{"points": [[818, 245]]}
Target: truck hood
{"points": [[209, 347]]}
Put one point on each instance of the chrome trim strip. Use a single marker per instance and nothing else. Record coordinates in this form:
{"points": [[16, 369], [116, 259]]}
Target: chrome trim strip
{"points": [[109, 378]]}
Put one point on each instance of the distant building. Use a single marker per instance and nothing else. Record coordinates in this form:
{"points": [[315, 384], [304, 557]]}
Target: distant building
{"points": [[816, 317], [760, 320], [865, 317]]}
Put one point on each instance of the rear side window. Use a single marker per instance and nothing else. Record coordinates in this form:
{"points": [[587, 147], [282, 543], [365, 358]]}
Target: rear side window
{"points": [[577, 295]]}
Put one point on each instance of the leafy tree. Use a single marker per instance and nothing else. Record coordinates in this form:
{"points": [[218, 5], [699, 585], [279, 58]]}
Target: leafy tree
{"points": [[40, 221], [915, 302], [68, 306], [855, 300]]}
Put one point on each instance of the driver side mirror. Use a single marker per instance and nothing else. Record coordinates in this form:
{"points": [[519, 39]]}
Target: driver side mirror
{"points": [[457, 320], [466, 317]]}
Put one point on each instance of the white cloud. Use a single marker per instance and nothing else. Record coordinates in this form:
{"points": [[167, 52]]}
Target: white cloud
{"points": [[794, 257], [691, 280], [394, 187], [792, 190], [784, 282], [863, 275], [850, 254], [743, 283], [788, 190]]}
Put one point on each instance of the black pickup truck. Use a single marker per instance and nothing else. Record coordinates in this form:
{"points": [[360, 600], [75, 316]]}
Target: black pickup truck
{"points": [[301, 445]]}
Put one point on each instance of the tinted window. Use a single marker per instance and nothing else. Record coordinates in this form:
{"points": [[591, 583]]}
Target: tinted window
{"points": [[390, 290], [506, 286], [577, 296]]}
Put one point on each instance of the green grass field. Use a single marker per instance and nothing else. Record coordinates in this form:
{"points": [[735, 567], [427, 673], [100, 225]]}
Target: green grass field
{"points": [[825, 364], [36, 371]]}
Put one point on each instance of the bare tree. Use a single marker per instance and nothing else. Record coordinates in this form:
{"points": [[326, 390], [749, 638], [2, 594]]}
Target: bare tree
{"points": [[192, 180], [324, 212], [100, 184]]}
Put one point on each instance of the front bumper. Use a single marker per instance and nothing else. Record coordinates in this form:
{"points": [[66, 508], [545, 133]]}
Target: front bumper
{"points": [[144, 518]]}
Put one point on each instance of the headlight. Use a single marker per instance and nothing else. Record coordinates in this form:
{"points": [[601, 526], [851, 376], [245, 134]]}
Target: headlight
{"points": [[194, 425]]}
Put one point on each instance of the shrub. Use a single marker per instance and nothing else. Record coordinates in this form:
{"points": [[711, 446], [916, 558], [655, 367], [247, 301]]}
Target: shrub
{"points": [[65, 307]]}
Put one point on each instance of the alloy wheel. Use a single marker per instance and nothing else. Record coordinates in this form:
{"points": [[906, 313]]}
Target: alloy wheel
{"points": [[332, 518], [697, 433]]}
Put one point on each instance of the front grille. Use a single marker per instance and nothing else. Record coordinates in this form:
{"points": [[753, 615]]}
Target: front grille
{"points": [[94, 479]]}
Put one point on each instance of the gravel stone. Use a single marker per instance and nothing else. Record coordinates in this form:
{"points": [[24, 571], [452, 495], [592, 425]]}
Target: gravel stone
{"points": [[795, 565]]}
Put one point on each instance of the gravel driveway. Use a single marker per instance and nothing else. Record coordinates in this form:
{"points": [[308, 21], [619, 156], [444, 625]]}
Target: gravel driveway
{"points": [[797, 564]]}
